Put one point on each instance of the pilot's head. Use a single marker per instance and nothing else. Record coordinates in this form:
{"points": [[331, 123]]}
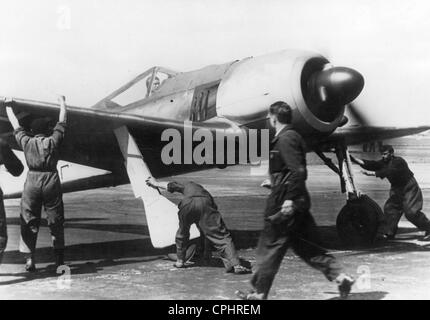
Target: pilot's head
{"points": [[280, 112], [155, 83], [387, 152], [41, 126]]}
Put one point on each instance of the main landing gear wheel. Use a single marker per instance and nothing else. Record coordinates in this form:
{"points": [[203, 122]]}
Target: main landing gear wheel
{"points": [[358, 221]]}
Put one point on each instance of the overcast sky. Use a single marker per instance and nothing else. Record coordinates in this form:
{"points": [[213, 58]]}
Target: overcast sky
{"points": [[86, 49]]}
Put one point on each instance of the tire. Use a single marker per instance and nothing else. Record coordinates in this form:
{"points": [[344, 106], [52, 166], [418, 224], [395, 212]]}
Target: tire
{"points": [[358, 221]]}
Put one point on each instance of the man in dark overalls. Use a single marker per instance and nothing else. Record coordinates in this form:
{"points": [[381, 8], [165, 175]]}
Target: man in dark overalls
{"points": [[42, 187], [14, 167], [288, 222], [198, 206], [405, 194]]}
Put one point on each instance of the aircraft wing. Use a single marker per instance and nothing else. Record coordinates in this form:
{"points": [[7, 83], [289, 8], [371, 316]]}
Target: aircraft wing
{"points": [[90, 138], [363, 134]]}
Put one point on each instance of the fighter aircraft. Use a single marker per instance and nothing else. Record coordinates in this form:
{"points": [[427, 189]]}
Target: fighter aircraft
{"points": [[121, 134]]}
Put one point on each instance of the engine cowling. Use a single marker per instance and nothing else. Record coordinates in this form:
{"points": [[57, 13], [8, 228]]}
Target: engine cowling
{"points": [[316, 91]]}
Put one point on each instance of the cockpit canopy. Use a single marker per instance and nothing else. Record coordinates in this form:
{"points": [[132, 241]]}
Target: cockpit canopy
{"points": [[140, 88]]}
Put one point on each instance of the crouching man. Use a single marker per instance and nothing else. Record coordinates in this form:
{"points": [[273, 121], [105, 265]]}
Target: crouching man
{"points": [[198, 206]]}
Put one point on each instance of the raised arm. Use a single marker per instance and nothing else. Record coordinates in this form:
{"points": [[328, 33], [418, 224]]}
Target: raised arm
{"points": [[63, 109], [20, 135], [10, 114], [60, 129]]}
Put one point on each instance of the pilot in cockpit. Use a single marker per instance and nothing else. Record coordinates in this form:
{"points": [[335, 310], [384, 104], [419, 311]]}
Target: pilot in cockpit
{"points": [[155, 84]]}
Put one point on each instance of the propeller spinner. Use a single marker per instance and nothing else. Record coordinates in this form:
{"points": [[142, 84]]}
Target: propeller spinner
{"points": [[332, 88]]}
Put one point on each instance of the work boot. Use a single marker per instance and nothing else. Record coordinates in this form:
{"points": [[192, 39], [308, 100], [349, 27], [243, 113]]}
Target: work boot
{"points": [[345, 283], [59, 257], [251, 295], [238, 269], [179, 264], [30, 265]]}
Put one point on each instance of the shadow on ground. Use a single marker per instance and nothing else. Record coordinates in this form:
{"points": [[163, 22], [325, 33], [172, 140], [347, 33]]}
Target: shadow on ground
{"points": [[93, 224], [373, 295], [75, 268], [109, 254], [402, 243], [111, 250], [141, 248]]}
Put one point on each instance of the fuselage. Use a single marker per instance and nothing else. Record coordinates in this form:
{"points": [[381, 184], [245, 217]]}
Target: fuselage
{"points": [[241, 91]]}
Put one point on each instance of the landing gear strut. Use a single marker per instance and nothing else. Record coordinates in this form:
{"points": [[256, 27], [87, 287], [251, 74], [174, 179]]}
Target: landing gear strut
{"points": [[358, 221]]}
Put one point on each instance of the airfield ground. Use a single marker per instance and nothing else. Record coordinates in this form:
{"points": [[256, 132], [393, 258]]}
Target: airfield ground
{"points": [[110, 255]]}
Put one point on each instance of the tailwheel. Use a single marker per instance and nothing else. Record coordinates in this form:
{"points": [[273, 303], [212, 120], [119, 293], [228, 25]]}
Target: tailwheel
{"points": [[358, 221]]}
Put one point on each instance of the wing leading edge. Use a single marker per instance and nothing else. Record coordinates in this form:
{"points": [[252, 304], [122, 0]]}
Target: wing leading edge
{"points": [[90, 138], [364, 134]]}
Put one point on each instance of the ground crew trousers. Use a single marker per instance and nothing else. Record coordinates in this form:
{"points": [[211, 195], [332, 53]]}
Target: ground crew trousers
{"points": [[407, 200], [301, 234], [3, 226], [41, 189], [203, 212]]}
